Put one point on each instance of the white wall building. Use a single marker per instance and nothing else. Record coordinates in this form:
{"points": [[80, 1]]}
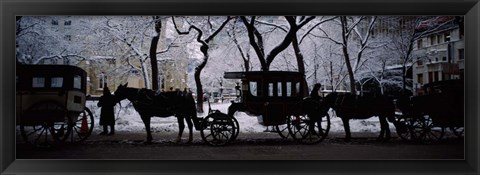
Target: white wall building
{"points": [[439, 54]]}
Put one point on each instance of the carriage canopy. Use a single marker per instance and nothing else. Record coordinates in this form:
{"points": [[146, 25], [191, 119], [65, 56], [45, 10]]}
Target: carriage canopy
{"points": [[50, 77]]}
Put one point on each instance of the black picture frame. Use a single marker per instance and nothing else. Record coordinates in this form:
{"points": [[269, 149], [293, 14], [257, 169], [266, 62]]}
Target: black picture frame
{"points": [[10, 8]]}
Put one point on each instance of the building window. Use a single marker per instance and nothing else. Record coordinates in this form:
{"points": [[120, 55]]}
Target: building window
{"points": [[420, 78], [134, 71], [68, 37], [446, 37], [461, 54], [102, 80], [419, 62], [432, 39], [430, 77], [419, 44], [54, 22], [110, 61], [444, 58], [68, 23]]}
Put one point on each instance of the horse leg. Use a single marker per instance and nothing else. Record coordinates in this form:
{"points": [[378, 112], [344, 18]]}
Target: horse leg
{"points": [[346, 126], [146, 121], [190, 129], [181, 126], [384, 129]]}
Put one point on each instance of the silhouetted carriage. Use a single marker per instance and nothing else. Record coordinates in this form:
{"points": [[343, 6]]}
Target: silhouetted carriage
{"points": [[278, 99], [426, 117], [50, 104]]}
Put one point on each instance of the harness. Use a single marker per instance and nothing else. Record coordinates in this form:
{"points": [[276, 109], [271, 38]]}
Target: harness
{"points": [[143, 98]]}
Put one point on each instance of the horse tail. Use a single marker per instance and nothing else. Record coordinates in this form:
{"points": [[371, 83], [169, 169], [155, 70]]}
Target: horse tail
{"points": [[192, 107]]}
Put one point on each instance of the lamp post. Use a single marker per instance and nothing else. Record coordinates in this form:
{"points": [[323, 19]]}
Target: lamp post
{"points": [[221, 90]]}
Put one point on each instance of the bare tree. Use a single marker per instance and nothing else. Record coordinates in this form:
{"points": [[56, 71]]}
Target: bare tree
{"points": [[204, 49], [256, 38], [347, 29], [351, 31], [244, 53], [132, 34]]}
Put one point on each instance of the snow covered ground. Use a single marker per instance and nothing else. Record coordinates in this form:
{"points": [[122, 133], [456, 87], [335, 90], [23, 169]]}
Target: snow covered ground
{"points": [[128, 120]]}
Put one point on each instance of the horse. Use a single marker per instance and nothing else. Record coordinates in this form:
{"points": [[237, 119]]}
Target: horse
{"points": [[348, 106], [166, 104]]}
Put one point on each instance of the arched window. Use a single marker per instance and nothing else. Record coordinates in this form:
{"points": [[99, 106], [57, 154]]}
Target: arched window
{"points": [[102, 80]]}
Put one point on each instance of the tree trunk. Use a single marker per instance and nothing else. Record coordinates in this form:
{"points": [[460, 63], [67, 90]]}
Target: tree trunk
{"points": [[350, 71], [331, 77], [153, 62], [145, 74], [198, 70], [404, 78], [153, 53], [345, 54], [246, 63], [298, 54], [406, 60]]}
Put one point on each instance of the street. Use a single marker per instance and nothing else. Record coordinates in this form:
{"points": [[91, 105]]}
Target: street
{"points": [[248, 146]]}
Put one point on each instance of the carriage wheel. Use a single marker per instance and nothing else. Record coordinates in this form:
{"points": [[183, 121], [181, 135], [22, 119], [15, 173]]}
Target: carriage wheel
{"points": [[410, 129], [306, 131], [432, 132], [82, 128], [45, 134], [458, 131], [237, 128], [282, 130], [46, 125], [218, 129]]}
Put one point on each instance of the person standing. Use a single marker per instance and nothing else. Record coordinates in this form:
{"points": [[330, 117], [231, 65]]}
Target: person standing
{"points": [[314, 93], [107, 115]]}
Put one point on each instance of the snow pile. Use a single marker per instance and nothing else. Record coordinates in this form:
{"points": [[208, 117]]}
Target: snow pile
{"points": [[128, 120]]}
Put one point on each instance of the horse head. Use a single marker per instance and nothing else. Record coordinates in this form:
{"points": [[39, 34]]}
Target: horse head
{"points": [[121, 93]]}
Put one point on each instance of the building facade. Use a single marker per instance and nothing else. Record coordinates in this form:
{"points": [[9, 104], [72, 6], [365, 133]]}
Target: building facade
{"points": [[114, 64], [439, 52]]}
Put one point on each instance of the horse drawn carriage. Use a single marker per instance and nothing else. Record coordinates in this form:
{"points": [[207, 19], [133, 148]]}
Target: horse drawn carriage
{"points": [[279, 99], [50, 104], [426, 117]]}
